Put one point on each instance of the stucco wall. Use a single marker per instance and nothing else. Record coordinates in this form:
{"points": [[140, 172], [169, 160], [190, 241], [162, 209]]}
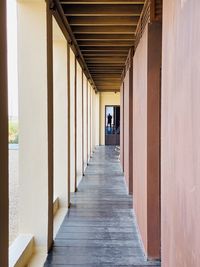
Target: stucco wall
{"points": [[79, 112], [146, 137], [180, 150], [122, 126], [127, 131], [140, 135]]}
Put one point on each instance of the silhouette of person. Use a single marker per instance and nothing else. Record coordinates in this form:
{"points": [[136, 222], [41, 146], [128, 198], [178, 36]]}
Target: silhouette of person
{"points": [[109, 120]]}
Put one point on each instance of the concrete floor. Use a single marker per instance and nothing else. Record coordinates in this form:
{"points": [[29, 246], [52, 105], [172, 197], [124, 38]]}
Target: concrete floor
{"points": [[100, 228]]}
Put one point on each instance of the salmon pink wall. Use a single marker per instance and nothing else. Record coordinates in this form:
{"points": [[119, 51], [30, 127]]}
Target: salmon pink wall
{"points": [[146, 137], [127, 131], [140, 135], [122, 126], [180, 151]]}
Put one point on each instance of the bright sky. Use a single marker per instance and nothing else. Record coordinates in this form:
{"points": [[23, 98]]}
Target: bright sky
{"points": [[12, 57]]}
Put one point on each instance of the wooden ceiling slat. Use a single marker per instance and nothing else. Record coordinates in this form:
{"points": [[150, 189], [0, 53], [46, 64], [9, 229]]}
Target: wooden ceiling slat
{"points": [[106, 55], [103, 21], [105, 58], [102, 2], [103, 49], [107, 79], [106, 43], [104, 29], [100, 37], [107, 84], [102, 10]]}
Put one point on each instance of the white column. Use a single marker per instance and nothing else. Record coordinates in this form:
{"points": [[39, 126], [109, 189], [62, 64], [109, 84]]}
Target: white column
{"points": [[33, 143]]}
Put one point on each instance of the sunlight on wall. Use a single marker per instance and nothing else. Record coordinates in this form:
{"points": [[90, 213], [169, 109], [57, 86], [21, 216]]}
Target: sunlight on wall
{"points": [[12, 58]]}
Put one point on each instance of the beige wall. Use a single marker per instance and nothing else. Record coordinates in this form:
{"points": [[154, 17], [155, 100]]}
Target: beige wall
{"points": [[180, 134], [33, 146], [72, 121], [106, 98], [60, 116], [95, 119], [79, 138], [85, 121]]}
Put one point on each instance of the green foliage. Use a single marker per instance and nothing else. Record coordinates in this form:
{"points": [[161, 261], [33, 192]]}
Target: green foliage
{"points": [[13, 132]]}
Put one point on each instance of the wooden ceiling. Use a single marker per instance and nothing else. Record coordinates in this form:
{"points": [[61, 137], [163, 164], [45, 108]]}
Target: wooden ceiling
{"points": [[104, 31]]}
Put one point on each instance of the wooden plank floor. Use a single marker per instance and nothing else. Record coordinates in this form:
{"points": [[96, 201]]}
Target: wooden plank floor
{"points": [[100, 229]]}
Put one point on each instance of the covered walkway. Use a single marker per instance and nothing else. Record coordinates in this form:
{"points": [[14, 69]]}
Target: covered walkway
{"points": [[100, 228]]}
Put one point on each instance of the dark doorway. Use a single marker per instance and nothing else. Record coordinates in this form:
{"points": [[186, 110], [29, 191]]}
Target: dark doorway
{"points": [[112, 125]]}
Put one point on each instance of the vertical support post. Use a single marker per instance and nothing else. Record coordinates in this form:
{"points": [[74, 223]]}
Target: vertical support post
{"points": [[75, 124], [50, 120], [69, 122], [3, 138], [91, 121], [153, 138], [122, 126], [131, 122], [87, 122], [82, 91]]}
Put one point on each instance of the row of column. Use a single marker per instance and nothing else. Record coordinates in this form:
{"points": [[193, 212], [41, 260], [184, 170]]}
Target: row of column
{"points": [[58, 130], [140, 135]]}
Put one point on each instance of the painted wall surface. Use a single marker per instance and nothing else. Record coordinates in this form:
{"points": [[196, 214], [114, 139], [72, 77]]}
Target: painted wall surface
{"points": [[122, 126], [89, 120], [140, 135], [127, 131], [85, 120], [106, 98], [72, 121], [60, 117], [95, 119], [180, 150], [33, 147], [146, 137], [79, 152]]}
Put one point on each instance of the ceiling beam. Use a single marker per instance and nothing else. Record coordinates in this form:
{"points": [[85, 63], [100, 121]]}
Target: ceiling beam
{"points": [[104, 29], [104, 48], [108, 87], [102, 55], [106, 76], [102, 2], [103, 21], [107, 79], [103, 71], [100, 37], [106, 43], [109, 91], [106, 58], [102, 10]]}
